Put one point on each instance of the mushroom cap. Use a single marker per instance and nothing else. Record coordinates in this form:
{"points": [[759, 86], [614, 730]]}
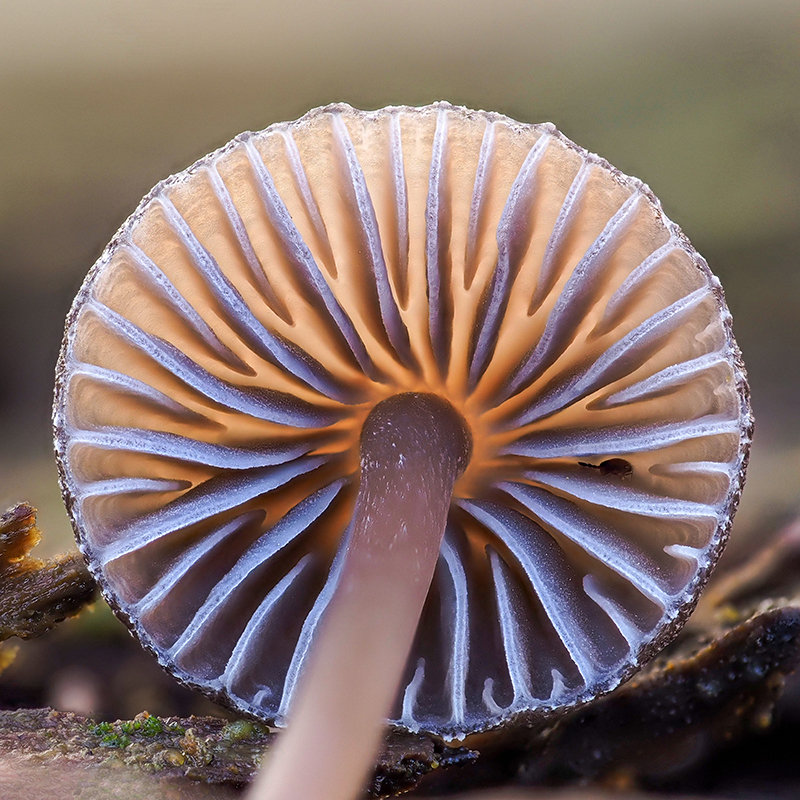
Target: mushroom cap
{"points": [[223, 353]]}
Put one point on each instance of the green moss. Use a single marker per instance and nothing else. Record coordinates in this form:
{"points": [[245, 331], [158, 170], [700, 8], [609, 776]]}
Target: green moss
{"points": [[101, 728], [238, 730], [118, 740], [121, 734], [146, 726]]}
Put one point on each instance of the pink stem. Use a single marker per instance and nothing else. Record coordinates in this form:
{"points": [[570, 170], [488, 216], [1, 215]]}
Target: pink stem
{"points": [[413, 447]]}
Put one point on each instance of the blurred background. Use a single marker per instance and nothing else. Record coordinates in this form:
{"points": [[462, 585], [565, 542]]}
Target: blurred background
{"points": [[100, 99]]}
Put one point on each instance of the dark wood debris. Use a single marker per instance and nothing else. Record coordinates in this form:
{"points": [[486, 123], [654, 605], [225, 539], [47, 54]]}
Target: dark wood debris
{"points": [[35, 595], [682, 709]]}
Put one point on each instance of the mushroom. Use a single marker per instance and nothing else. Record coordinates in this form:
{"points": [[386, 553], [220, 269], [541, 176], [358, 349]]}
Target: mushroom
{"points": [[423, 386]]}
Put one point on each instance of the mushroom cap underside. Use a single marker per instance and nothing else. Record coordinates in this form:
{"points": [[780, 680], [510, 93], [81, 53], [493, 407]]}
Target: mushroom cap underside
{"points": [[223, 353]]}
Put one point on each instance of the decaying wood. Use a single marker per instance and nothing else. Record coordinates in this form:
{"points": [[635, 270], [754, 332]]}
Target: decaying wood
{"points": [[35, 595], [202, 749]]}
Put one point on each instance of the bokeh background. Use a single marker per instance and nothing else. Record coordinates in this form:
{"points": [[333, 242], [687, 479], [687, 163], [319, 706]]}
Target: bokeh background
{"points": [[100, 99]]}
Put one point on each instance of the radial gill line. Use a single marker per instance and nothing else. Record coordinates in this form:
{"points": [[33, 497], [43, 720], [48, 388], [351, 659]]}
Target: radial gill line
{"points": [[394, 326], [618, 439], [634, 282], [411, 697], [216, 495], [632, 635], [242, 656], [546, 569], [269, 405], [307, 196], [592, 536], [681, 468], [459, 656], [183, 309], [182, 448], [256, 268], [619, 360], [513, 238], [117, 486], [622, 498], [300, 654], [189, 560], [693, 555], [401, 208], [439, 306], [269, 544], [302, 259], [518, 670], [244, 322], [667, 378], [572, 303], [120, 382], [561, 229], [480, 194]]}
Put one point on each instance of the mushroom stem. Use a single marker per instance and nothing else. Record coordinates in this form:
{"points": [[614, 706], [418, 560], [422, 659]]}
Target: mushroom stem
{"points": [[413, 448]]}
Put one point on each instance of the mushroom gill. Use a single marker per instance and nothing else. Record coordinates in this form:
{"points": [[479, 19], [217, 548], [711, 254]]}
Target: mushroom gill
{"points": [[222, 357]]}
